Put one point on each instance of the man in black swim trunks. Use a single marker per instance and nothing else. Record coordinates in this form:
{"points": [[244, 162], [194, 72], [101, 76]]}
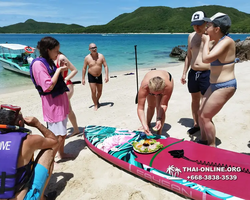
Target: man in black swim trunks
{"points": [[198, 76], [95, 61]]}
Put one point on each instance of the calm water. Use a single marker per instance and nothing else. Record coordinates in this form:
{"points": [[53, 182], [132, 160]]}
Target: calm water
{"points": [[118, 49]]}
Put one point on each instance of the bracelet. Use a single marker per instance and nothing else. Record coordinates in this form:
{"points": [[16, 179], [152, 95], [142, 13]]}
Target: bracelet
{"points": [[158, 118]]}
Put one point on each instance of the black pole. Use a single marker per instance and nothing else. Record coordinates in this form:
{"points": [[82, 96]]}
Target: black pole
{"points": [[136, 71]]}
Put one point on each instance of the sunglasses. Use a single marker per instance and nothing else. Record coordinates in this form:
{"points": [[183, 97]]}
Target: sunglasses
{"points": [[92, 48], [155, 94], [16, 109]]}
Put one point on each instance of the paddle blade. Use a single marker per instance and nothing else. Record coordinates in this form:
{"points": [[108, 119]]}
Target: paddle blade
{"points": [[76, 82]]}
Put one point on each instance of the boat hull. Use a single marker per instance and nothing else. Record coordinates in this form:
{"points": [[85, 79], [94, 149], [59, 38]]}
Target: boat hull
{"points": [[14, 67]]}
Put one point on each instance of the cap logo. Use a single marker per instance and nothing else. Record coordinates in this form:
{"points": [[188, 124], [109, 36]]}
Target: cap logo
{"points": [[196, 16]]}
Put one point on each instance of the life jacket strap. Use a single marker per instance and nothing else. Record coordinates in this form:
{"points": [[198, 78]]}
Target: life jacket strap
{"points": [[3, 177]]}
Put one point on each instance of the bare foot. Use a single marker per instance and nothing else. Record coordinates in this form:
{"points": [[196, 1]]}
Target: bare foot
{"points": [[141, 128], [95, 107], [73, 134]]}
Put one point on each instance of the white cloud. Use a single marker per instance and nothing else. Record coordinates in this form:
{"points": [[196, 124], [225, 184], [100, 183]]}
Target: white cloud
{"points": [[13, 4], [128, 8], [27, 12]]}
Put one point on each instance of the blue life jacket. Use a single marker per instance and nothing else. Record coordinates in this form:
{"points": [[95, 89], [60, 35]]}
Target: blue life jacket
{"points": [[10, 144], [60, 86]]}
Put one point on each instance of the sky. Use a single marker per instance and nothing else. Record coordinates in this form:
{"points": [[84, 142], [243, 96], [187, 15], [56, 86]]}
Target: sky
{"points": [[92, 12]]}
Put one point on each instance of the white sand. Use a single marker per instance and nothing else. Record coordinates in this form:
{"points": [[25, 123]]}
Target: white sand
{"points": [[89, 176]]}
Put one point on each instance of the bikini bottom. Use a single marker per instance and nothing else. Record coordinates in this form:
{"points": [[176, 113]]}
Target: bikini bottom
{"points": [[230, 83]]}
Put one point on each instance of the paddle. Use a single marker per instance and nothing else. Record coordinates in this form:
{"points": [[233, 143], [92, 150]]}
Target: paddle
{"points": [[136, 98], [15, 128], [76, 82]]}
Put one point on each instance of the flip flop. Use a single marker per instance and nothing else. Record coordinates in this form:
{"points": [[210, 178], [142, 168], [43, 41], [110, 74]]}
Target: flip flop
{"points": [[193, 130], [129, 73], [205, 142]]}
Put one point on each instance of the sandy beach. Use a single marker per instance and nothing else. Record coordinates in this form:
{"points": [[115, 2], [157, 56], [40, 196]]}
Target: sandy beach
{"points": [[89, 177]]}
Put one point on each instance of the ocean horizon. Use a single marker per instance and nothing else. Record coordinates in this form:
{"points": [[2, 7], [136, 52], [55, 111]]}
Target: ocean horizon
{"points": [[118, 50]]}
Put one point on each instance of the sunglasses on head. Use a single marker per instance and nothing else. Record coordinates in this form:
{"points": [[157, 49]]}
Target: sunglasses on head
{"points": [[16, 109], [93, 48]]}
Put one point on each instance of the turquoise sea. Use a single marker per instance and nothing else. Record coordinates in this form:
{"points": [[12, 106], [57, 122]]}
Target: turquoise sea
{"points": [[118, 49]]}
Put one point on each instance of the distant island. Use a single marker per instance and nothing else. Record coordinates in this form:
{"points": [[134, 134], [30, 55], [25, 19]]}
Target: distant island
{"points": [[159, 19]]}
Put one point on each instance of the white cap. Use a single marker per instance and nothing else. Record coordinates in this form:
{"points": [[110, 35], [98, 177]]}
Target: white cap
{"points": [[218, 14], [198, 18]]}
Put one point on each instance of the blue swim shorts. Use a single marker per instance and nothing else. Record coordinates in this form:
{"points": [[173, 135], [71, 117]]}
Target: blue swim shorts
{"points": [[198, 81], [39, 180]]}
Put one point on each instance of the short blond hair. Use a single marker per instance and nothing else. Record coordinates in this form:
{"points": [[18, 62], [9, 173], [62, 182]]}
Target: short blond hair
{"points": [[156, 84]]}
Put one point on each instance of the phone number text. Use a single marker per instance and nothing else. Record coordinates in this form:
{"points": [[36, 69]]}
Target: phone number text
{"points": [[213, 177]]}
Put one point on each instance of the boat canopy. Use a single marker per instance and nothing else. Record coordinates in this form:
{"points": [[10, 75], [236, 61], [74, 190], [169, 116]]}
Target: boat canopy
{"points": [[13, 46]]}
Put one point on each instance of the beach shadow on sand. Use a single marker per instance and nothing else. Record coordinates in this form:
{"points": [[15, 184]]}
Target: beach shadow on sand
{"points": [[74, 148], [58, 182], [111, 104], [166, 128], [188, 122], [196, 136]]}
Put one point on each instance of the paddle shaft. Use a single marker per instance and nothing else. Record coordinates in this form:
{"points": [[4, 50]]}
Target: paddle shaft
{"points": [[136, 70], [76, 82]]}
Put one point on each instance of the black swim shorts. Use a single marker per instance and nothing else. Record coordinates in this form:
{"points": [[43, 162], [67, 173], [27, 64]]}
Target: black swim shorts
{"points": [[198, 81], [95, 79]]}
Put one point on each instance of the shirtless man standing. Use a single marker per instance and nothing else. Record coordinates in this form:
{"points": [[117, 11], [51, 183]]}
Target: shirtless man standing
{"points": [[198, 76], [95, 61]]}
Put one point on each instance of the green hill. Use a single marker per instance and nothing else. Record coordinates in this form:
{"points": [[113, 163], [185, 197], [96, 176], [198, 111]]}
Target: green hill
{"points": [[158, 19], [32, 26], [168, 20]]}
